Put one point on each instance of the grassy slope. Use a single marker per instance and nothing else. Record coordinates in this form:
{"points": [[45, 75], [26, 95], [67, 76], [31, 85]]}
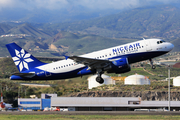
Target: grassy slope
{"points": [[88, 117], [79, 44], [39, 41]]}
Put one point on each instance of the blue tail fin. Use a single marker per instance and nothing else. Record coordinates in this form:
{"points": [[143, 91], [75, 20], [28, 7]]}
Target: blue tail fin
{"points": [[22, 59]]}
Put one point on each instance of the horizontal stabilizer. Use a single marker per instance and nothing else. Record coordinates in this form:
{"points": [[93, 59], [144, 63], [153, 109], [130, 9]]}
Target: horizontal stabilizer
{"points": [[27, 75]]}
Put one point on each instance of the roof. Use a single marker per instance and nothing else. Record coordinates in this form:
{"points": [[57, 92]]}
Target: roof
{"points": [[109, 102], [92, 101]]}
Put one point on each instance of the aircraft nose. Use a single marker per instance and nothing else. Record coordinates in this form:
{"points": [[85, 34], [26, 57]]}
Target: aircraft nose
{"points": [[171, 46]]}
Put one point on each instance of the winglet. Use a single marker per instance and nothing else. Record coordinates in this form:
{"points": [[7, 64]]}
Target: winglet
{"points": [[66, 57]]}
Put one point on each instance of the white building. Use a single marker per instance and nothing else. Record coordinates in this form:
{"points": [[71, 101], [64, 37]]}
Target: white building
{"points": [[176, 81], [136, 80], [93, 83], [94, 103]]}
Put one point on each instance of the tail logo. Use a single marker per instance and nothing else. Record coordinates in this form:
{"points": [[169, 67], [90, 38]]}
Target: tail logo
{"points": [[22, 59]]}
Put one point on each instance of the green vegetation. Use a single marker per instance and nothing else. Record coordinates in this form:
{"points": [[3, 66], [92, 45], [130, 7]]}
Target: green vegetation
{"points": [[86, 36], [11, 89], [88, 117], [39, 42]]}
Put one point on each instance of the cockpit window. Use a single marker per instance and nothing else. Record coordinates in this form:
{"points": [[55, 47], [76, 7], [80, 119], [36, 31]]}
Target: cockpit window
{"points": [[161, 41]]}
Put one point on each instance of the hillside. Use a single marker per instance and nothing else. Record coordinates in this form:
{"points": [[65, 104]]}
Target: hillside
{"points": [[160, 21], [90, 35], [4, 28], [42, 43], [81, 44], [28, 29], [176, 44]]}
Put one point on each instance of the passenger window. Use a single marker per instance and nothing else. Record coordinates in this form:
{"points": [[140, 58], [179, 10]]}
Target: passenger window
{"points": [[61, 66], [157, 42], [109, 54], [161, 42]]}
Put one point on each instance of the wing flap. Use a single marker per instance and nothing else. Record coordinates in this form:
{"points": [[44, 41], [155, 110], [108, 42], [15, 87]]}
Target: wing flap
{"points": [[91, 63]]}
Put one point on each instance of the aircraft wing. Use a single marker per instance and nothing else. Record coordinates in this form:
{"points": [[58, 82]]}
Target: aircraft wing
{"points": [[91, 63], [27, 75]]}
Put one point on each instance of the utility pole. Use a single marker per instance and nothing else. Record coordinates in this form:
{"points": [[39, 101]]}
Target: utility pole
{"points": [[169, 87]]}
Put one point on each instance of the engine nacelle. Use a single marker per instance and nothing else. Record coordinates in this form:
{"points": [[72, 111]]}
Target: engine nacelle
{"points": [[120, 66]]}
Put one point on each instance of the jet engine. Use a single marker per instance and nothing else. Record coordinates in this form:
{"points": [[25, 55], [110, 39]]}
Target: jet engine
{"points": [[120, 66]]}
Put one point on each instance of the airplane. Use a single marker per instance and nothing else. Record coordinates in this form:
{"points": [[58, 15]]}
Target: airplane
{"points": [[4, 106], [112, 60]]}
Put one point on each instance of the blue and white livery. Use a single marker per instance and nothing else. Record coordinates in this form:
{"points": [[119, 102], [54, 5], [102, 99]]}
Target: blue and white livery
{"points": [[112, 60]]}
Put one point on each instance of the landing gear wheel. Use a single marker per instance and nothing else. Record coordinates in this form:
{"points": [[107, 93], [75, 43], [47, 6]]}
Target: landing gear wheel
{"points": [[153, 67], [100, 80]]}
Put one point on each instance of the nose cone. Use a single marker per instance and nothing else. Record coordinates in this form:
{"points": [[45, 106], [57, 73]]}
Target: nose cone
{"points": [[171, 46]]}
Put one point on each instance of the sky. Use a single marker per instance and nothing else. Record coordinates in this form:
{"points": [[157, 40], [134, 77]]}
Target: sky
{"points": [[91, 4]]}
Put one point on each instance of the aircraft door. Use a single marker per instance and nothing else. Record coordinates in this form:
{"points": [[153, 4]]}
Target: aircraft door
{"points": [[46, 70], [147, 45]]}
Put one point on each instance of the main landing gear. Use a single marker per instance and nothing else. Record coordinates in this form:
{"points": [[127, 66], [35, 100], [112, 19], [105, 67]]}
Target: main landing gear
{"points": [[99, 79], [152, 66]]}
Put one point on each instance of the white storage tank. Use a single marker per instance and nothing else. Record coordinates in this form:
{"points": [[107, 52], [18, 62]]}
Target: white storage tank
{"points": [[136, 80], [176, 81], [93, 83]]}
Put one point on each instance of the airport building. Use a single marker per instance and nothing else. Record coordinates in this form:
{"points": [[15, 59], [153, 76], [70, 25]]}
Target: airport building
{"points": [[94, 103]]}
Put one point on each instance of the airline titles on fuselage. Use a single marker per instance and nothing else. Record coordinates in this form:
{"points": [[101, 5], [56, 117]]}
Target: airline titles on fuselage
{"points": [[129, 48]]}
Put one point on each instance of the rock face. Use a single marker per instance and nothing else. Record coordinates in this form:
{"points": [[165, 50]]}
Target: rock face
{"points": [[145, 96]]}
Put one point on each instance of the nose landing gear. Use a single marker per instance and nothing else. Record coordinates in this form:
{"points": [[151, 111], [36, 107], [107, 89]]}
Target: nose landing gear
{"points": [[152, 66]]}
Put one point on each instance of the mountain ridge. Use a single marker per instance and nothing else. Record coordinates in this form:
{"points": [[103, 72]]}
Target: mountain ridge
{"points": [[159, 21]]}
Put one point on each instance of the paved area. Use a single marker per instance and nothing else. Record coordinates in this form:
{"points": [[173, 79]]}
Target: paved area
{"points": [[89, 113]]}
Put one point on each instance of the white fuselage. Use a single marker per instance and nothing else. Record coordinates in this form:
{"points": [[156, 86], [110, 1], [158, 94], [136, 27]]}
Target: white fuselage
{"points": [[141, 47]]}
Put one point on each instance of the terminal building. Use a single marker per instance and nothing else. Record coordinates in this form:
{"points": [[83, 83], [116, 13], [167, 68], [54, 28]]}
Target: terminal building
{"points": [[94, 103]]}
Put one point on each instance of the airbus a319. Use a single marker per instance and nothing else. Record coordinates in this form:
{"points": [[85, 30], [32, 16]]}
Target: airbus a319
{"points": [[112, 60]]}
